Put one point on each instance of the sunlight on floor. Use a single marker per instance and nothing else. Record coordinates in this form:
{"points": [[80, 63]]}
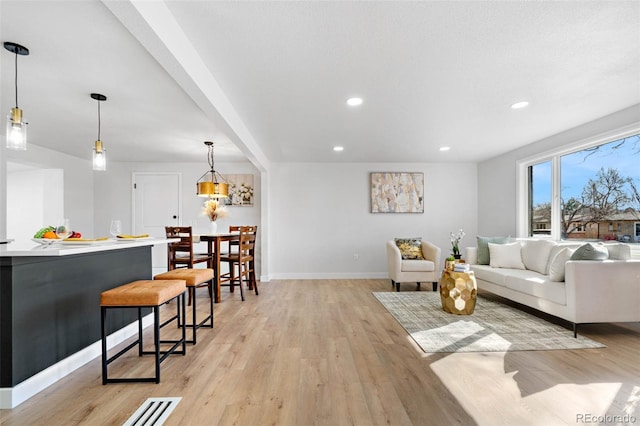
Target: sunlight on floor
{"points": [[483, 389]]}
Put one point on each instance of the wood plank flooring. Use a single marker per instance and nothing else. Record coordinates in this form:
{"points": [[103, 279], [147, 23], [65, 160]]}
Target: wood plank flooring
{"points": [[325, 352]]}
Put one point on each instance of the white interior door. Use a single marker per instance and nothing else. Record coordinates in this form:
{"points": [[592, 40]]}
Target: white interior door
{"points": [[156, 204]]}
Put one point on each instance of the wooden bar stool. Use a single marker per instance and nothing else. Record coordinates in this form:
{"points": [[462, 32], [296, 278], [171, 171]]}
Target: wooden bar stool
{"points": [[193, 278], [143, 294]]}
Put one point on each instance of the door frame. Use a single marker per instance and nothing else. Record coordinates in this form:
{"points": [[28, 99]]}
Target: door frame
{"points": [[133, 195]]}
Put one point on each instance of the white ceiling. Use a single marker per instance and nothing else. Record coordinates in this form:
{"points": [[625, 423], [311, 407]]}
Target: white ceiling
{"points": [[268, 80]]}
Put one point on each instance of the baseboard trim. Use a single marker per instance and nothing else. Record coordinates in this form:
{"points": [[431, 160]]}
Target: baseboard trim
{"points": [[330, 276], [12, 397]]}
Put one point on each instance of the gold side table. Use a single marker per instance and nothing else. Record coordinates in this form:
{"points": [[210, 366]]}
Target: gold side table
{"points": [[458, 292]]}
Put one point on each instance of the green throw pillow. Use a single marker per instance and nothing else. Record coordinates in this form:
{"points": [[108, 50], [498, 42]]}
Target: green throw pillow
{"points": [[483, 247], [590, 251], [410, 248]]}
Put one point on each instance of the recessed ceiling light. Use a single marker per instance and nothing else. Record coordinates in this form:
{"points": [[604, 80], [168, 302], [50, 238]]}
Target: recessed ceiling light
{"points": [[519, 105], [338, 148], [354, 101], [445, 148]]}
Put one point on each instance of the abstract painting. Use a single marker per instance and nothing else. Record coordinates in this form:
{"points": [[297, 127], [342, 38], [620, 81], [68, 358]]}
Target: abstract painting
{"points": [[397, 192]]}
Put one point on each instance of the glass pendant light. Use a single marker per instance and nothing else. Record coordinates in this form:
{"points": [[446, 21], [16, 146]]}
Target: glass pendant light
{"points": [[211, 184], [16, 126], [99, 153]]}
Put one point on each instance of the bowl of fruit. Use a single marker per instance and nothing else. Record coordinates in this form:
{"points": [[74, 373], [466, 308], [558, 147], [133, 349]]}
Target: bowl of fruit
{"points": [[47, 236]]}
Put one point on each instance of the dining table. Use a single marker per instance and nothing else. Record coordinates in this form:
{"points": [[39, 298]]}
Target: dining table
{"points": [[214, 244]]}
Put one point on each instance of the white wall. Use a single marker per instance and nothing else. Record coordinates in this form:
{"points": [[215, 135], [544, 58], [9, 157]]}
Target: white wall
{"points": [[497, 176], [320, 216], [77, 190], [42, 192]]}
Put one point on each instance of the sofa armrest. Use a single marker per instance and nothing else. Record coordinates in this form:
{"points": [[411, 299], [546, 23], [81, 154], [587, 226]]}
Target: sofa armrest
{"points": [[471, 256], [603, 291], [431, 252], [394, 259]]}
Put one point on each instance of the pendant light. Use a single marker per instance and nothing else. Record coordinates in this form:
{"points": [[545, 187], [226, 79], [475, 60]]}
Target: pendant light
{"points": [[16, 126], [211, 184], [99, 153]]}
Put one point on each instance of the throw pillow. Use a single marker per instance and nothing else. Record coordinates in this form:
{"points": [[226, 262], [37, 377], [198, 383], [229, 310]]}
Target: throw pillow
{"points": [[410, 248], [506, 255], [590, 251], [619, 251], [557, 264], [483, 248], [535, 254]]}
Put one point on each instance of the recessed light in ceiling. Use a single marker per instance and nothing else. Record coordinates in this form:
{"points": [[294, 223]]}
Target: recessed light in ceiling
{"points": [[354, 101], [519, 105], [445, 148], [338, 148]]}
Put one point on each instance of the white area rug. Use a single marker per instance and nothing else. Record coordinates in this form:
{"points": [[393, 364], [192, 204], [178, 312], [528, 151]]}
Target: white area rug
{"points": [[493, 327]]}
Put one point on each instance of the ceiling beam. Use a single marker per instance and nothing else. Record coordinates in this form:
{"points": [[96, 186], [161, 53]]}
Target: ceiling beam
{"points": [[157, 30]]}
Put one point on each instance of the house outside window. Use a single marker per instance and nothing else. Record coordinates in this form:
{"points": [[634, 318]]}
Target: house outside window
{"points": [[589, 191]]}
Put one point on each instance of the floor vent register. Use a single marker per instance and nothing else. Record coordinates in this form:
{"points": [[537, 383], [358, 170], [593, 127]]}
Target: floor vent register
{"points": [[153, 412]]}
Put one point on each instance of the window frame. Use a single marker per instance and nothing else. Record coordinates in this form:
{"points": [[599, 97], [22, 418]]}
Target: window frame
{"points": [[554, 156]]}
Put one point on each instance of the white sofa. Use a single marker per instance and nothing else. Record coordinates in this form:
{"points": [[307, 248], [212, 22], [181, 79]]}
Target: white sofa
{"points": [[593, 291]]}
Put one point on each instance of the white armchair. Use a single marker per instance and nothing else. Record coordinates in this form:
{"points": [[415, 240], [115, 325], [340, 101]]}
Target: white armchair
{"points": [[417, 271]]}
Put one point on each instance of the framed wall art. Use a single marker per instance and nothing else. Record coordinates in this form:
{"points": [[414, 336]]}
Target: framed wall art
{"points": [[397, 192], [240, 190]]}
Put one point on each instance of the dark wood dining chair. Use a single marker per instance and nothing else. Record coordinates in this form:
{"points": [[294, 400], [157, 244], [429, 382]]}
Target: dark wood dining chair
{"points": [[180, 254], [243, 259]]}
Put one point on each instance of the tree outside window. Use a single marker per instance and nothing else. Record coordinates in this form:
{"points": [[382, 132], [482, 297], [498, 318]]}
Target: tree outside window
{"points": [[599, 186]]}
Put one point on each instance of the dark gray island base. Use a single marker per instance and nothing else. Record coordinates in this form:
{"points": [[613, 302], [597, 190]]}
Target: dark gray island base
{"points": [[50, 306]]}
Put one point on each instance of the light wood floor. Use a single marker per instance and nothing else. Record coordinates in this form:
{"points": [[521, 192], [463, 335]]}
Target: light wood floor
{"points": [[325, 352]]}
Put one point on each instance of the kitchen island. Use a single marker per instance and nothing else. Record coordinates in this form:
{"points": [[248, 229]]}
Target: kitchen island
{"points": [[49, 307]]}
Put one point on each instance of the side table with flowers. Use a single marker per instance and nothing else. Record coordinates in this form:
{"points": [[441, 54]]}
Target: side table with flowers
{"points": [[214, 211]]}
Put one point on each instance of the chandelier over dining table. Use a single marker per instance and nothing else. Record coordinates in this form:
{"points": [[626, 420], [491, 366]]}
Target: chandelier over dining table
{"points": [[211, 184]]}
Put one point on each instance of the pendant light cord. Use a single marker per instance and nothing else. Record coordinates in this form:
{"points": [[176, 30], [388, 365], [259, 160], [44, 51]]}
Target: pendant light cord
{"points": [[98, 119], [16, 79], [211, 158]]}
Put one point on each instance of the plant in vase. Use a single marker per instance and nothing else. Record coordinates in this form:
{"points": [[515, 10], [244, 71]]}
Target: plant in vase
{"points": [[455, 243], [214, 210], [450, 263]]}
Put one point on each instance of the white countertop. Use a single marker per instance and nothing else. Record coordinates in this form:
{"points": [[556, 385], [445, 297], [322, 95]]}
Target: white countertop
{"points": [[27, 248]]}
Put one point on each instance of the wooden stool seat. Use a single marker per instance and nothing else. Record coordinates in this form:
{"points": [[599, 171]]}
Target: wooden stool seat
{"points": [[193, 278], [138, 295]]}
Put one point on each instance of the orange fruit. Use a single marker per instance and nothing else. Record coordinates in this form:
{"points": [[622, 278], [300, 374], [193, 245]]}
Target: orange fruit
{"points": [[51, 235]]}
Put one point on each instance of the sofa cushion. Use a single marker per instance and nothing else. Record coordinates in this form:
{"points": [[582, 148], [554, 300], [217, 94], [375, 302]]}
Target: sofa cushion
{"points": [[506, 255], [557, 264], [535, 284], [618, 251], [489, 274], [590, 251], [535, 254], [417, 266], [483, 247], [559, 246], [410, 248]]}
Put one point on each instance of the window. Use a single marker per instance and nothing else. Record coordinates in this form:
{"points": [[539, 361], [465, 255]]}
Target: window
{"points": [[591, 191], [540, 198]]}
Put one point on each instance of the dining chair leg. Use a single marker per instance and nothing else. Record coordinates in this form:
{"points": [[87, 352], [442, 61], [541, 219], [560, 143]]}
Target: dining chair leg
{"points": [[232, 273], [253, 277], [240, 275]]}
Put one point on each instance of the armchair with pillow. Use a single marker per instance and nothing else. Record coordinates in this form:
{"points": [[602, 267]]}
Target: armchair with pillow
{"points": [[413, 260]]}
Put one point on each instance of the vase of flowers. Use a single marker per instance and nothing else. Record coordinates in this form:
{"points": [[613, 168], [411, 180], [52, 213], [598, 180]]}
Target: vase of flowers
{"points": [[449, 263], [214, 211], [455, 243]]}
